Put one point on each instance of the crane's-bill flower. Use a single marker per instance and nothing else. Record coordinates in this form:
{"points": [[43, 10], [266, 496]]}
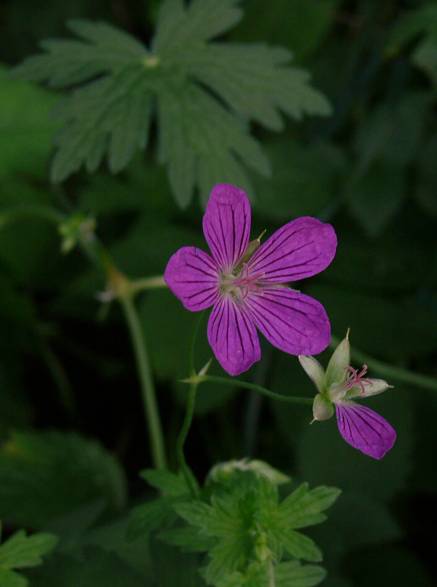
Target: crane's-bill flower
{"points": [[360, 426], [244, 282]]}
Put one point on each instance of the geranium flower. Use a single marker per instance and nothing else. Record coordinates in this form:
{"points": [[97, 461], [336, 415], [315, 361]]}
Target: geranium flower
{"points": [[360, 426], [244, 282]]}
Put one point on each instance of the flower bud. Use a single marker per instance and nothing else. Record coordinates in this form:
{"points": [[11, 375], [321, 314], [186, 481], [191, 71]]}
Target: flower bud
{"points": [[322, 408]]}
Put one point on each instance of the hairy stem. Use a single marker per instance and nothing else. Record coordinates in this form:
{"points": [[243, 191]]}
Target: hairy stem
{"points": [[180, 443], [390, 371], [146, 380], [291, 399]]}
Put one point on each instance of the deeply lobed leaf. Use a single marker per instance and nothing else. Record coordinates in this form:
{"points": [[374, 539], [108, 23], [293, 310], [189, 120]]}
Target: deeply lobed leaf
{"points": [[202, 91]]}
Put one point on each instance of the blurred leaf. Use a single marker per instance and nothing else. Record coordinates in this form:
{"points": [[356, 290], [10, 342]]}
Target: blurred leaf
{"points": [[165, 481], [12, 579], [389, 263], [172, 567], [26, 131], [411, 24], [398, 337], [298, 25], [426, 187], [425, 58], [391, 132], [305, 180], [95, 568], [359, 521], [376, 196], [21, 551], [15, 408], [44, 475], [149, 517]]}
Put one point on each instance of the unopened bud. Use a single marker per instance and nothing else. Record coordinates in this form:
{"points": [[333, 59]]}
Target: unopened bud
{"points": [[322, 408]]}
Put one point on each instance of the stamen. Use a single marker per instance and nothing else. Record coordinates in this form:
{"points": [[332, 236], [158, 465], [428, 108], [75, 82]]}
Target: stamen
{"points": [[356, 378]]}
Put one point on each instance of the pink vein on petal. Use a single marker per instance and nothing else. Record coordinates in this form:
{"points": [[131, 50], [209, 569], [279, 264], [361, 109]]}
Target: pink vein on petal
{"points": [[290, 320], [365, 429], [226, 224], [233, 337], [299, 249], [192, 276]]}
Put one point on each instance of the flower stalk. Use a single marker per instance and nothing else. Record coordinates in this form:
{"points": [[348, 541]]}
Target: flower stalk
{"points": [[148, 393], [180, 443], [291, 399]]}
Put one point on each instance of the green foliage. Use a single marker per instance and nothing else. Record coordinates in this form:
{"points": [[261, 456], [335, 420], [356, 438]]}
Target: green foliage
{"points": [[203, 135], [94, 567], [44, 475], [246, 530], [302, 32], [26, 128], [20, 552], [158, 513]]}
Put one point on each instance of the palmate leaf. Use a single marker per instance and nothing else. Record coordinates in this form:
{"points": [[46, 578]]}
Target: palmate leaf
{"points": [[204, 94], [21, 551], [43, 475], [246, 531]]}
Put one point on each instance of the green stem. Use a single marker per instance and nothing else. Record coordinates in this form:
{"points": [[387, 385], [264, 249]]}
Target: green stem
{"points": [[390, 371], [180, 443], [155, 282], [291, 399], [146, 380]]}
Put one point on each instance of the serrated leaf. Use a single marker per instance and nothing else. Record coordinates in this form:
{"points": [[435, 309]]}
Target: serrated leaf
{"points": [[148, 517], [206, 94], [43, 475], [21, 551], [411, 24], [187, 538], [167, 482], [11, 579], [66, 63], [198, 514], [298, 545], [303, 507], [179, 25], [294, 574]]}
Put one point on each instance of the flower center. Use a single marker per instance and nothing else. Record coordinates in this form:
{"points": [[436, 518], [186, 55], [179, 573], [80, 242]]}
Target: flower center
{"points": [[238, 285], [355, 378]]}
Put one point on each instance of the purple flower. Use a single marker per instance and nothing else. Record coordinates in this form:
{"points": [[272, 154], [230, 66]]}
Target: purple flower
{"points": [[244, 282], [360, 426]]}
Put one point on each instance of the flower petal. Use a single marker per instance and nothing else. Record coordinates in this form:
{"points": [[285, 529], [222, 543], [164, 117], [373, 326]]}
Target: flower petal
{"points": [[192, 276], [290, 320], [365, 429], [233, 337], [299, 249], [226, 224]]}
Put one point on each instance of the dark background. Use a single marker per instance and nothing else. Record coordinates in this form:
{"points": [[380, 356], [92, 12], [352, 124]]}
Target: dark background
{"points": [[370, 169]]}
